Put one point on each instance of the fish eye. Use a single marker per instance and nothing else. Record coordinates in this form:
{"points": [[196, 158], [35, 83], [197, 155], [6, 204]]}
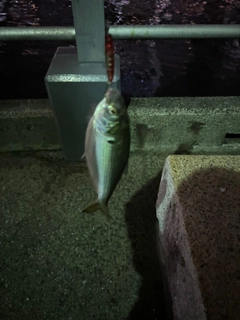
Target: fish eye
{"points": [[112, 110]]}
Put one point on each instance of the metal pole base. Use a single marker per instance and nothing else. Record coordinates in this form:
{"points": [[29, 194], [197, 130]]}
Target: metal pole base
{"points": [[74, 90]]}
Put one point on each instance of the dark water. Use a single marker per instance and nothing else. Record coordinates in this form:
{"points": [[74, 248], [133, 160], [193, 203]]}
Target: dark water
{"points": [[149, 68]]}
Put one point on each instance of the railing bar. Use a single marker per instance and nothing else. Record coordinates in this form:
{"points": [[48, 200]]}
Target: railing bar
{"points": [[125, 32]]}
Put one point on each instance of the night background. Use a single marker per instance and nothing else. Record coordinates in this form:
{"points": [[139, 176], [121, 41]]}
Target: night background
{"points": [[148, 68], [57, 263]]}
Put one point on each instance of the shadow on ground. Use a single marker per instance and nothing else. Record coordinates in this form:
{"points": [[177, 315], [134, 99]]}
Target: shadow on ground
{"points": [[142, 232]]}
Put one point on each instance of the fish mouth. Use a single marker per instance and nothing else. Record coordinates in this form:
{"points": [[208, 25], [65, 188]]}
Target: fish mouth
{"points": [[113, 96]]}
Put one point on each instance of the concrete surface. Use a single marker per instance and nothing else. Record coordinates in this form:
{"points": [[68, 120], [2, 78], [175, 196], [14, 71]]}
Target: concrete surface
{"points": [[196, 125], [58, 263], [198, 209], [27, 125]]}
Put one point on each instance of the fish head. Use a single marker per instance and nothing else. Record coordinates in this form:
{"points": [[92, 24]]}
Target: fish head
{"points": [[111, 113], [114, 104]]}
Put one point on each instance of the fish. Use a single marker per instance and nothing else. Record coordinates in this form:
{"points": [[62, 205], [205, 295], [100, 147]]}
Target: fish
{"points": [[107, 147]]}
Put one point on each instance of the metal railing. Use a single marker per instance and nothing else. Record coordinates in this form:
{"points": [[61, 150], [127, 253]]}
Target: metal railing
{"points": [[125, 32], [71, 99]]}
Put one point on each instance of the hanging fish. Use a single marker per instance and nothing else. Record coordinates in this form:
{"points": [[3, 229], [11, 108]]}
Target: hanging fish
{"points": [[109, 50], [107, 147]]}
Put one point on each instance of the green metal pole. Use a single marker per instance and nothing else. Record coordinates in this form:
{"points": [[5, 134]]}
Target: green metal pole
{"points": [[175, 32], [125, 32], [37, 33], [89, 23]]}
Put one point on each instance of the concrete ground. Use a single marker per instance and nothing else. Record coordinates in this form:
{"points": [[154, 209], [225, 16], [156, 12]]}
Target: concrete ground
{"points": [[58, 263]]}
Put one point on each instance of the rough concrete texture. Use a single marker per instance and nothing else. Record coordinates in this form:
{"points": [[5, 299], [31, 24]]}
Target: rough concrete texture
{"points": [[59, 263], [183, 125], [198, 209], [27, 125]]}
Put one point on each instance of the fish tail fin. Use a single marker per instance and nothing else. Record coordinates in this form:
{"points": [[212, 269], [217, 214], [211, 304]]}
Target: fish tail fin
{"points": [[96, 205]]}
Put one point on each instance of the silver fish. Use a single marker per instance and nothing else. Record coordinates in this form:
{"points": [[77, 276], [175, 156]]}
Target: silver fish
{"points": [[107, 147]]}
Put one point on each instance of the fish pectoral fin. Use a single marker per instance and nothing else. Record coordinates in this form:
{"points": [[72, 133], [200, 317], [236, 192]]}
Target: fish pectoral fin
{"points": [[83, 156], [96, 205]]}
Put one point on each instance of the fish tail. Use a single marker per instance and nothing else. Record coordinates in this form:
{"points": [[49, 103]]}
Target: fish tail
{"points": [[96, 205]]}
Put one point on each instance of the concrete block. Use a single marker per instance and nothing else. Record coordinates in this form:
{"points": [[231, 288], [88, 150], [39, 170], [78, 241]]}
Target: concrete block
{"points": [[181, 125], [186, 125], [198, 210]]}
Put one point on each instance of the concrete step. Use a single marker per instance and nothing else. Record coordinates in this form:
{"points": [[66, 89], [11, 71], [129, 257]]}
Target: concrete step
{"points": [[198, 210], [186, 125]]}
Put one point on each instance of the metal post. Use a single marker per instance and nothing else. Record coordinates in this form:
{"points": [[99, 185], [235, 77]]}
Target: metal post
{"points": [[89, 24], [77, 77]]}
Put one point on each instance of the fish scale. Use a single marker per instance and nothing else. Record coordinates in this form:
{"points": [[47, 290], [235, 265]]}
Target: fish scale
{"points": [[107, 160]]}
